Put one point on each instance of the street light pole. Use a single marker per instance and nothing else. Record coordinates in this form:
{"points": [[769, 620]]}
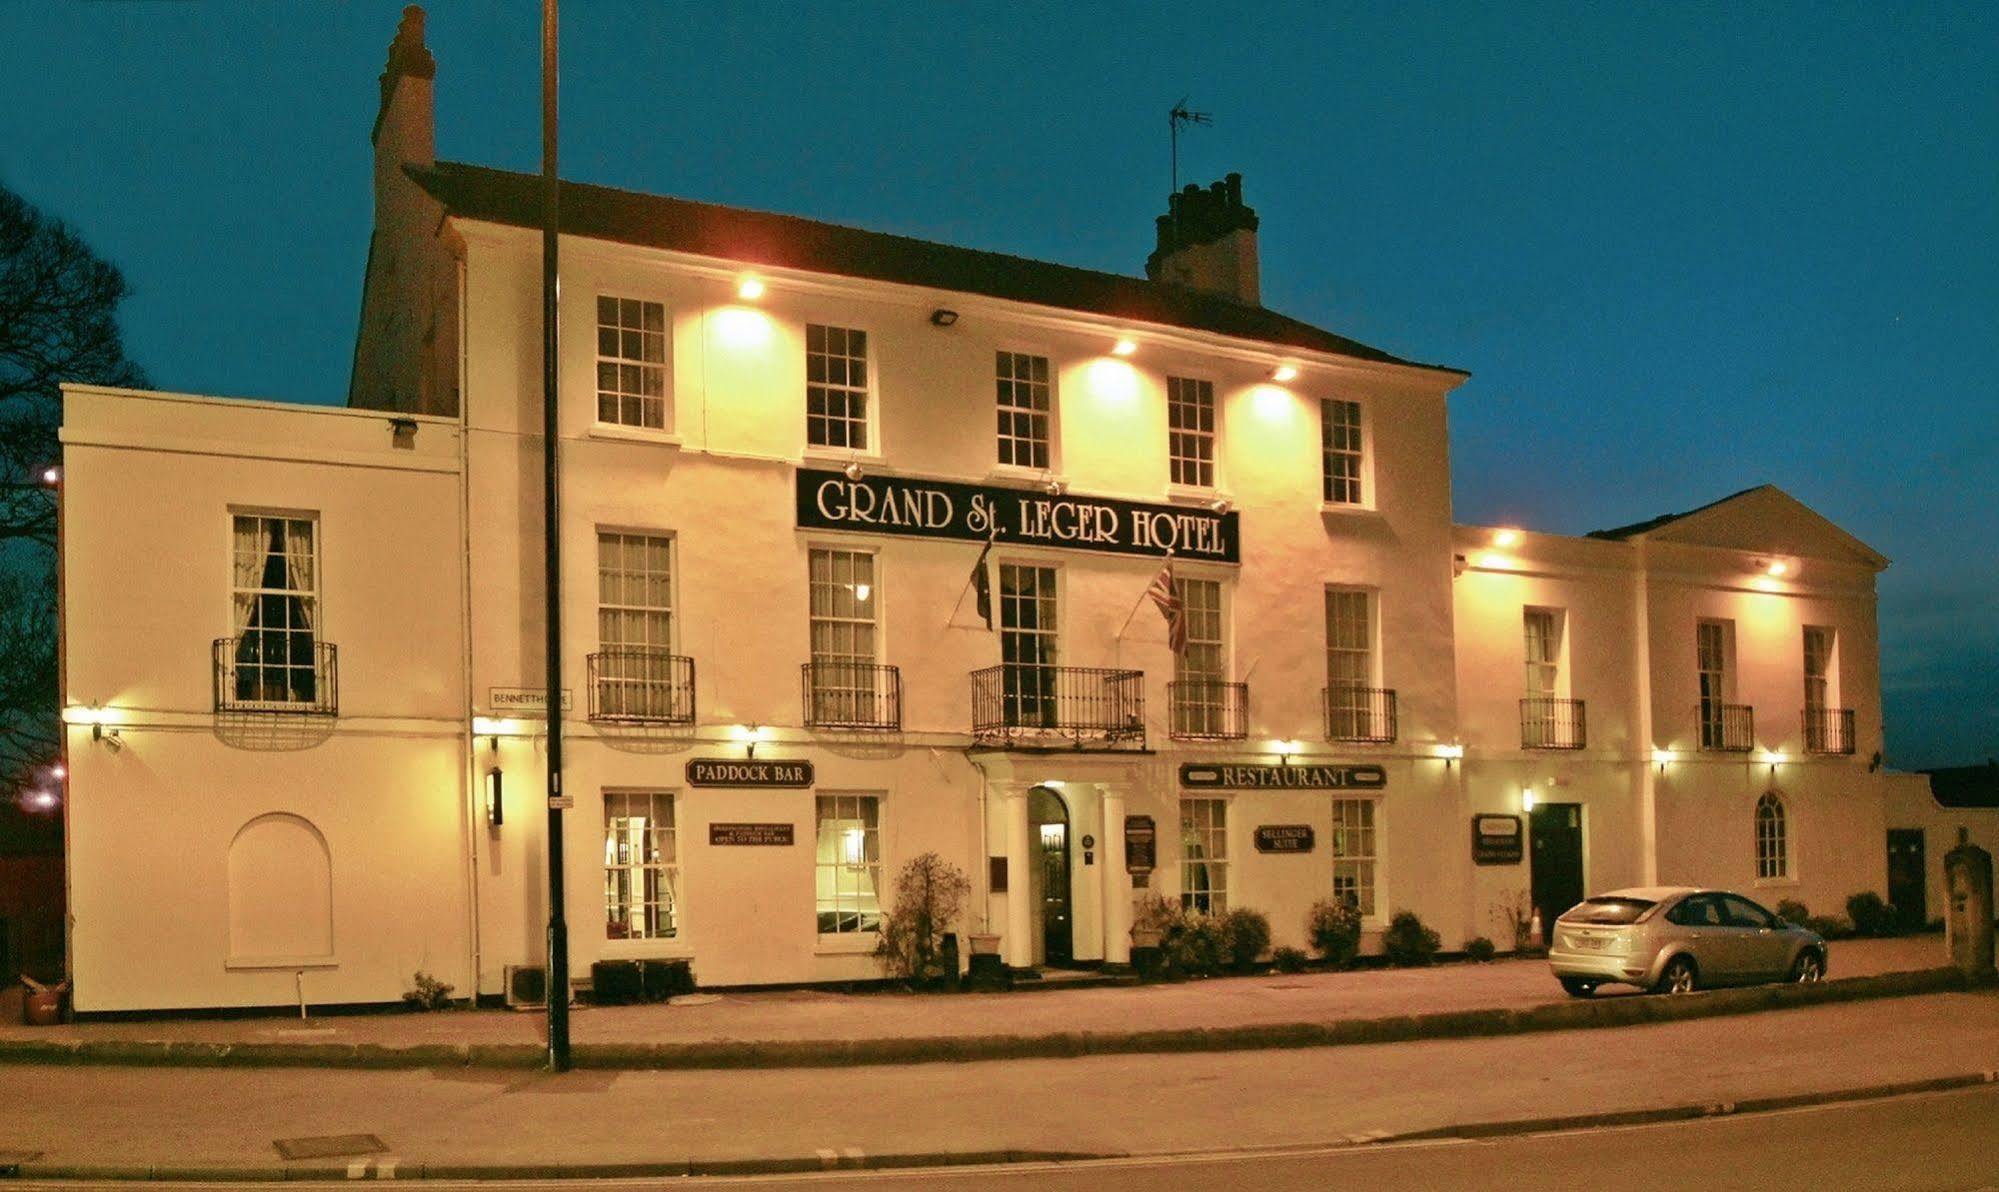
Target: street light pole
{"points": [[551, 215]]}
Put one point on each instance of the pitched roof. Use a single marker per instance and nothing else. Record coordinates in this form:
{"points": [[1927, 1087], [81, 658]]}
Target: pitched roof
{"points": [[1764, 518], [1620, 533], [1967, 787], [786, 241]]}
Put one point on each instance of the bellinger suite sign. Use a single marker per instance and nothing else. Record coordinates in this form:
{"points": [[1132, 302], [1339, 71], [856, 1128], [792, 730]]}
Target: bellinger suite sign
{"points": [[1013, 516]]}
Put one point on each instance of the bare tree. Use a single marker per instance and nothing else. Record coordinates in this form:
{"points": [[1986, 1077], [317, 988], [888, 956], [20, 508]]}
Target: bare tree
{"points": [[28, 721]]}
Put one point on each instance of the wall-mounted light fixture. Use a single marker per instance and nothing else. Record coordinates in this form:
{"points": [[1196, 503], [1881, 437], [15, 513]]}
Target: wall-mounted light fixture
{"points": [[943, 317], [1451, 752], [1776, 568], [1054, 486], [1219, 505], [1506, 538], [1527, 799], [1772, 759], [1285, 750], [1124, 347], [750, 288], [854, 470], [750, 735], [491, 729], [1660, 757], [496, 804], [103, 724], [402, 432], [1283, 373]]}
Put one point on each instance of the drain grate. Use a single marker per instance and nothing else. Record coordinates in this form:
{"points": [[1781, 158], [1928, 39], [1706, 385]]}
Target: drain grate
{"points": [[329, 1146]]}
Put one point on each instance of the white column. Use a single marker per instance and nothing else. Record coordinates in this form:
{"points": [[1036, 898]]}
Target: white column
{"points": [[1018, 947], [1117, 884]]}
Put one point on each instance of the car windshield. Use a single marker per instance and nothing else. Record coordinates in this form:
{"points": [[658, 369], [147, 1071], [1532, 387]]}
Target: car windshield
{"points": [[1609, 910]]}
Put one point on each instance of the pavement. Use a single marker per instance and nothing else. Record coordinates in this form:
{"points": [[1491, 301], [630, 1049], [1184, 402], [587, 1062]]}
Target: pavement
{"points": [[74, 1123], [819, 1027]]}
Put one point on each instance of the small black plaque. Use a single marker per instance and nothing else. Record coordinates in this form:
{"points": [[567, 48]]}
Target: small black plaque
{"points": [[1285, 838], [1496, 840], [1141, 844], [750, 834]]}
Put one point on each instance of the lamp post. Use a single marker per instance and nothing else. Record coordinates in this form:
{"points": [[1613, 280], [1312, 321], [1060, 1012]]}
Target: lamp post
{"points": [[551, 214]]}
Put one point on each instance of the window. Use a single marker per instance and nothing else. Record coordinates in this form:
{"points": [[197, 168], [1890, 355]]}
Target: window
{"points": [[1201, 669], [1819, 692], [849, 864], [1773, 854], [1023, 409], [1698, 910], [641, 866], [1743, 913], [1354, 852], [631, 362], [635, 676], [1204, 855], [1544, 652], [274, 594], [842, 594], [1715, 648], [1028, 644], [1340, 450], [836, 387], [1190, 431], [1349, 664]]}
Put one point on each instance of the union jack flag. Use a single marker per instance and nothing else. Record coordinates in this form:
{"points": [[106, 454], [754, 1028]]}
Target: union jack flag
{"points": [[1166, 594]]}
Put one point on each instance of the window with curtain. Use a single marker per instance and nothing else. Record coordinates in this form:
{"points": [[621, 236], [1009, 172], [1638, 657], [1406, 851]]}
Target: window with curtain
{"points": [[1204, 855], [641, 866], [1202, 667], [1354, 852], [1714, 647], [1028, 643], [1349, 663], [1773, 852], [1819, 693], [842, 594], [275, 597], [635, 623], [1543, 631], [1341, 451], [849, 864]]}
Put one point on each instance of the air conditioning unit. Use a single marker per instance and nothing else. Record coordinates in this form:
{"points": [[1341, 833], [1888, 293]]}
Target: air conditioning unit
{"points": [[527, 986]]}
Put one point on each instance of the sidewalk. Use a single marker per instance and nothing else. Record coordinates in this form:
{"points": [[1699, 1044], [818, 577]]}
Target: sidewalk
{"points": [[811, 1028], [70, 1123]]}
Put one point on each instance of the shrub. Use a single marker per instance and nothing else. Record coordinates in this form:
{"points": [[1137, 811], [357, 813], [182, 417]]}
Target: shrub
{"points": [[429, 993], [1792, 911], [1831, 927], [616, 982], [1870, 914], [1196, 945], [665, 979], [1155, 912], [1334, 929], [1246, 933], [1480, 949], [1288, 960], [930, 893], [1408, 942]]}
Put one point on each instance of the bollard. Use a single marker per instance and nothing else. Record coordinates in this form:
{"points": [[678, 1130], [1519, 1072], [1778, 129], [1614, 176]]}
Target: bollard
{"points": [[1968, 886]]}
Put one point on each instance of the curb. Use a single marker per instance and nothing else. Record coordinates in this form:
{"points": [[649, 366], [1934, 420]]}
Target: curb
{"points": [[854, 1160], [1582, 1014]]}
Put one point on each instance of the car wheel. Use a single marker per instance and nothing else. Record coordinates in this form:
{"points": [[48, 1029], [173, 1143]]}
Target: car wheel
{"points": [[1577, 987], [1680, 976], [1809, 968]]}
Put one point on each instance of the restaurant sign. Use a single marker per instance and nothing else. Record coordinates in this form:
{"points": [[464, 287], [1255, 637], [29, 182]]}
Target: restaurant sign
{"points": [[1013, 516], [730, 771], [1496, 840], [1234, 777]]}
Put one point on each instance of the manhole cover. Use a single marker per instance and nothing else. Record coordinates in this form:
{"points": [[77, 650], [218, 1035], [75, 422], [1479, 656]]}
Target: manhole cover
{"points": [[329, 1146]]}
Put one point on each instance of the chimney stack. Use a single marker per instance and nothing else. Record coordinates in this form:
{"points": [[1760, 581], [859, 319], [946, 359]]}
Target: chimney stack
{"points": [[406, 124], [1207, 241]]}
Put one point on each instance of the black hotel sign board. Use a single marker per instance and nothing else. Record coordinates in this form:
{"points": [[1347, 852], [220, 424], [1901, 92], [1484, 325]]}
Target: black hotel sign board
{"points": [[749, 834], [1229, 776], [1496, 840], [1013, 516], [730, 771]]}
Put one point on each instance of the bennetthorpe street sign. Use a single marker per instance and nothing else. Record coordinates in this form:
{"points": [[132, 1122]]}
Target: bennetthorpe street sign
{"points": [[730, 771], [1232, 777], [1013, 516]]}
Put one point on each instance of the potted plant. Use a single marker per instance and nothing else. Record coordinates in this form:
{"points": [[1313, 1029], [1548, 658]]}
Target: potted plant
{"points": [[1152, 917], [43, 1005], [984, 943]]}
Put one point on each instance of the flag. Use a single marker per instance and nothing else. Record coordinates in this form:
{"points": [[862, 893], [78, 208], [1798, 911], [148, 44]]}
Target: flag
{"points": [[1167, 596], [982, 585]]}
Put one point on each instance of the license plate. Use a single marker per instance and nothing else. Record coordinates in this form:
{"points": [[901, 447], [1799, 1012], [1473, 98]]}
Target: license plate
{"points": [[1587, 942]]}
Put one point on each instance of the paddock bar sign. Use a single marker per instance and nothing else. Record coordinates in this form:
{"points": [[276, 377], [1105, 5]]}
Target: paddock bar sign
{"points": [[730, 771], [1231, 777], [978, 512]]}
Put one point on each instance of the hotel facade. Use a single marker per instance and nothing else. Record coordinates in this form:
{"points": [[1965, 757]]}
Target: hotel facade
{"points": [[860, 540]]}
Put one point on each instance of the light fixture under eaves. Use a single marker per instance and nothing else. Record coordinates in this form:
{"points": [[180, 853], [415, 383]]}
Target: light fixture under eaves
{"points": [[854, 470], [1124, 347], [943, 317], [750, 288], [1283, 373]]}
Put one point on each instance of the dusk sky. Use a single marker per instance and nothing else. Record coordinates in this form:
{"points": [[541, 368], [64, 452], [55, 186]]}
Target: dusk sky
{"points": [[1683, 250]]}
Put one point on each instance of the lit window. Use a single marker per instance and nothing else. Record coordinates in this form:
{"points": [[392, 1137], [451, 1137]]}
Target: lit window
{"points": [[849, 864], [635, 675], [1354, 852], [836, 387], [844, 681], [1341, 450], [1204, 855], [1190, 431], [274, 594], [1773, 853], [1022, 382], [631, 362], [1201, 705], [1354, 708], [641, 866]]}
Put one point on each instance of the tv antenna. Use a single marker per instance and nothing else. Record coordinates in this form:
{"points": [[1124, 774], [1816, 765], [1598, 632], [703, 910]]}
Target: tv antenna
{"points": [[1174, 119]]}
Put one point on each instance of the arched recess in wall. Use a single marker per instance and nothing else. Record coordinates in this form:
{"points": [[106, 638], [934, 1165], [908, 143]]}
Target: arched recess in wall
{"points": [[280, 892]]}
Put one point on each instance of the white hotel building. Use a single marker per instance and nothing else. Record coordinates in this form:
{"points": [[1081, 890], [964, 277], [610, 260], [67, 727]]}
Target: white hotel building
{"points": [[306, 751]]}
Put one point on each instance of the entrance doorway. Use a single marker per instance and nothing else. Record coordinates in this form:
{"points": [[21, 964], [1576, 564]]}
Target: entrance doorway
{"points": [[1908, 877], [1049, 817], [1557, 868]]}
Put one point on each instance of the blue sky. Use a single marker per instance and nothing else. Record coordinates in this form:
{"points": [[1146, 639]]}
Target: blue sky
{"points": [[1683, 249]]}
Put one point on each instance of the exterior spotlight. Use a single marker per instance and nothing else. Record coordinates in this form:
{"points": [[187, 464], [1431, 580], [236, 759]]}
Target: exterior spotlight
{"points": [[750, 288], [496, 807], [1219, 505], [1451, 753], [51, 476], [1285, 749], [749, 735], [1527, 799], [853, 470], [1054, 487], [1660, 757], [1507, 537], [1778, 567], [942, 317], [1124, 347], [1491, 561], [1283, 373]]}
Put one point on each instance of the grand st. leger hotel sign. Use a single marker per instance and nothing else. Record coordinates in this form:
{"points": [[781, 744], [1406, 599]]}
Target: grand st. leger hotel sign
{"points": [[1012, 516]]}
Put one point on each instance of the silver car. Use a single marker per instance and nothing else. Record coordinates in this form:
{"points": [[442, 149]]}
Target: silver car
{"points": [[1676, 939]]}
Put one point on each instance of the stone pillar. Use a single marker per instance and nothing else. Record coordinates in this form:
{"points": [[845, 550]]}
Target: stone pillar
{"points": [[1117, 884], [1968, 917], [1019, 944]]}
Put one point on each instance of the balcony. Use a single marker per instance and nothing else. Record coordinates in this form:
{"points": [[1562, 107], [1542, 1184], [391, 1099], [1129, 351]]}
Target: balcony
{"points": [[1828, 730], [277, 671], [852, 696], [1359, 714], [1025, 704], [1550, 723], [1208, 710], [1727, 728], [641, 685]]}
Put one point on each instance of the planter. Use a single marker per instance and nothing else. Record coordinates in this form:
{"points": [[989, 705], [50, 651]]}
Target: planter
{"points": [[42, 1006], [1145, 937], [984, 944]]}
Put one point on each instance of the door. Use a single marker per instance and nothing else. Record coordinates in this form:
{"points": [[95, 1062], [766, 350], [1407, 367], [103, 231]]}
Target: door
{"points": [[1908, 877], [1757, 950], [1051, 838], [1556, 830], [1028, 619]]}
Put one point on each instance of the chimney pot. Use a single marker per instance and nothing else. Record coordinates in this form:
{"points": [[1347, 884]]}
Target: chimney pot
{"points": [[1207, 241]]}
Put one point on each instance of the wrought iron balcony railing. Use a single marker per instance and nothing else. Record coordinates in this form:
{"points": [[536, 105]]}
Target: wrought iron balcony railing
{"points": [[277, 670], [1209, 710], [641, 685], [1727, 728], [852, 695], [1550, 723], [1023, 703], [1828, 730], [1359, 714]]}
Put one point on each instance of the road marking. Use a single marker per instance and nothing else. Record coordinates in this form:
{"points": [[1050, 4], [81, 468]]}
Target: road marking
{"points": [[828, 1158]]}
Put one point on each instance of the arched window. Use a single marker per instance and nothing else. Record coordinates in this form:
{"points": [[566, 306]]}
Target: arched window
{"points": [[280, 892], [1773, 849]]}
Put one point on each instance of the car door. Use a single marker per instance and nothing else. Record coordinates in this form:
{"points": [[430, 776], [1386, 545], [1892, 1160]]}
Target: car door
{"points": [[1766, 951], [1701, 922]]}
